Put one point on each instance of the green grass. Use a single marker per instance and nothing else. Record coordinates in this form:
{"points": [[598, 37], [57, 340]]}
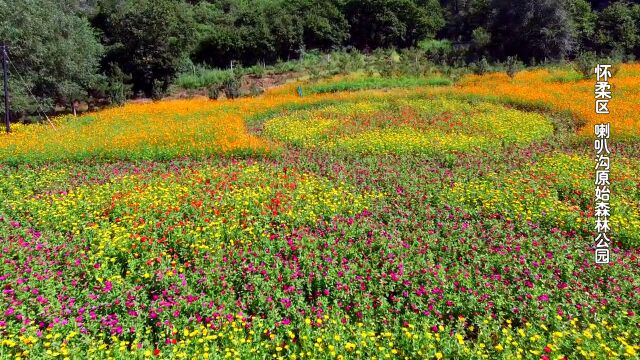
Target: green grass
{"points": [[376, 83], [203, 77]]}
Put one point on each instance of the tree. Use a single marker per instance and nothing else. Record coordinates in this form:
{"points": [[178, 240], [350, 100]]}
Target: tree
{"points": [[147, 39], [583, 22], [54, 54], [635, 10], [463, 17], [236, 30], [285, 27], [324, 24], [617, 31], [392, 23], [531, 30]]}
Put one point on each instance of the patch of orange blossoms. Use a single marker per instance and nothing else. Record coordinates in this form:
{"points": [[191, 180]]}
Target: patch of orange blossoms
{"points": [[577, 97]]}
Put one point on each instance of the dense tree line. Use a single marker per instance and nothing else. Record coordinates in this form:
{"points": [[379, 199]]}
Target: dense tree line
{"points": [[68, 50]]}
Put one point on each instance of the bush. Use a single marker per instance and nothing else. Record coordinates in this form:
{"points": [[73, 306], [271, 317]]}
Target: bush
{"points": [[213, 92], [232, 88], [203, 77], [482, 67], [256, 90], [118, 88], [159, 89], [585, 63], [513, 66]]}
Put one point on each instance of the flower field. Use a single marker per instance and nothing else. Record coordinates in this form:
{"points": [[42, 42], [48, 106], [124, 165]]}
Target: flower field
{"points": [[424, 223], [408, 126], [555, 89]]}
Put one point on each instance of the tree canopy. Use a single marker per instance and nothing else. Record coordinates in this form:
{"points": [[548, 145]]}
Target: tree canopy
{"points": [[54, 53], [72, 49]]}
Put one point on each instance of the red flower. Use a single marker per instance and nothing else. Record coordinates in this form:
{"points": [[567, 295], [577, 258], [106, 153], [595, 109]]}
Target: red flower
{"points": [[156, 352], [547, 349]]}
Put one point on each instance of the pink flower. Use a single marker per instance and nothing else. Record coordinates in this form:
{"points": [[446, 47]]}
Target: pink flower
{"points": [[96, 266], [543, 297], [286, 302]]}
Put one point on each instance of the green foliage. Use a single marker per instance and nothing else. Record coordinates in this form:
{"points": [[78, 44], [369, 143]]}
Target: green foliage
{"points": [[151, 44], [148, 39], [482, 67], [266, 31], [255, 90], [531, 30], [53, 51], [480, 38], [213, 92], [117, 87], [583, 21], [414, 61], [377, 83], [566, 76], [437, 51], [585, 64], [513, 65], [324, 24], [392, 23], [203, 77], [618, 31], [232, 88]]}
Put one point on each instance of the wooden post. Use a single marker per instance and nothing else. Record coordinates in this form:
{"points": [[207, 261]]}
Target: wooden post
{"points": [[5, 71]]}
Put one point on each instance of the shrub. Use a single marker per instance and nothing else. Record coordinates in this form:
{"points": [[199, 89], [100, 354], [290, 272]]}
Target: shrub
{"points": [[232, 88], [482, 67], [203, 77], [584, 63], [213, 92], [513, 66]]}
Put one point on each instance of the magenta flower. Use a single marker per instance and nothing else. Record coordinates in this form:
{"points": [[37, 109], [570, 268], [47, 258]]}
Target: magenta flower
{"points": [[286, 302]]}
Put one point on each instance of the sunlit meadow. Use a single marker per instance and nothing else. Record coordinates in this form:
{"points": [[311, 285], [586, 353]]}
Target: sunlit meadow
{"points": [[419, 221]]}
